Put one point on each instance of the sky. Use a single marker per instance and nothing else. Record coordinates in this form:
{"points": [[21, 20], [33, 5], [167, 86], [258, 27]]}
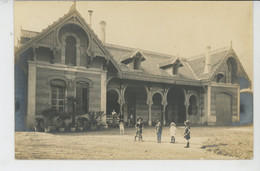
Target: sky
{"points": [[183, 28]]}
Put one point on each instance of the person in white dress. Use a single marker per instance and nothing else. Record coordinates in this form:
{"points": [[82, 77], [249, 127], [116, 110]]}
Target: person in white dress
{"points": [[173, 130]]}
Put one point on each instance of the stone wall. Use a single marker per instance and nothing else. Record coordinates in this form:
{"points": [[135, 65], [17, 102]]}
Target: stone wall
{"points": [[43, 88]]}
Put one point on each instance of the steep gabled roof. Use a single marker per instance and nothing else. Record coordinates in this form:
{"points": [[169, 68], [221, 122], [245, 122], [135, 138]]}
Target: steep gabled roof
{"points": [[150, 67], [197, 63], [72, 13]]}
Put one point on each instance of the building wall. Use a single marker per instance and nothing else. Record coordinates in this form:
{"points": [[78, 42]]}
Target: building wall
{"points": [[43, 88], [231, 90]]}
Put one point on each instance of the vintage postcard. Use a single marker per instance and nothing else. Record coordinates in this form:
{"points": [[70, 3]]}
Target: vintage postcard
{"points": [[133, 80]]}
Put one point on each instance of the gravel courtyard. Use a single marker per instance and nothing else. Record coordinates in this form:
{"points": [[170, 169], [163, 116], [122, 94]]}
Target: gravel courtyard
{"points": [[206, 143]]}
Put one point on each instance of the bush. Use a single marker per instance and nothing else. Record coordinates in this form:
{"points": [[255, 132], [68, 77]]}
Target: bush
{"points": [[50, 114]]}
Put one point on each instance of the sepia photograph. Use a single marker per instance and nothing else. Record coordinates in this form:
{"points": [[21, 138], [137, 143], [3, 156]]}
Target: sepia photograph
{"points": [[142, 80]]}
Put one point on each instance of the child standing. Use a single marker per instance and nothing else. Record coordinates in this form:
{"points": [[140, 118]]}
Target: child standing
{"points": [[173, 132], [187, 133], [121, 128], [139, 129], [159, 128]]}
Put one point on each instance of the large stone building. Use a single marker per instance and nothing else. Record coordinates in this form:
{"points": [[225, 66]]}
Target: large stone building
{"points": [[68, 59]]}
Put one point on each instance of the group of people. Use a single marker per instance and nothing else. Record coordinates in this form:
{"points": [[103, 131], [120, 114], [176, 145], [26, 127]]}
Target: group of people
{"points": [[139, 129], [159, 128]]}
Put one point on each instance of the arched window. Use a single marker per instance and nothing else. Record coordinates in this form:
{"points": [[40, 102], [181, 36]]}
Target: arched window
{"points": [[70, 51], [58, 94], [229, 72], [231, 76], [193, 108]]}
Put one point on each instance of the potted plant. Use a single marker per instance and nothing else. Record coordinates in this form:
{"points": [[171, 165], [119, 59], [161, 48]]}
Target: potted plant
{"points": [[39, 124], [81, 122], [93, 118], [50, 114], [63, 116]]}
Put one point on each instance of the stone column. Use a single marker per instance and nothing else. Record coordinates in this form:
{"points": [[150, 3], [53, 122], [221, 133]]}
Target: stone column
{"points": [[164, 109], [103, 93], [63, 53], [209, 100], [31, 108], [150, 114], [149, 102]]}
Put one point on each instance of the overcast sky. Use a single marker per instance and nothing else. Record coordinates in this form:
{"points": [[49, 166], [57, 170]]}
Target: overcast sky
{"points": [[183, 28]]}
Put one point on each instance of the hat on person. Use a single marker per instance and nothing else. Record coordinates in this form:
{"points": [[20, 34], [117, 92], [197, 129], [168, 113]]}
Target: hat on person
{"points": [[187, 122], [139, 118], [173, 124]]}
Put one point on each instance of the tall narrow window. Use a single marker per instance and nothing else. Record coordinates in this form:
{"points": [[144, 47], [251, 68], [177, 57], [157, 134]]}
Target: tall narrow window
{"points": [[229, 73], [70, 51], [82, 97], [58, 94]]}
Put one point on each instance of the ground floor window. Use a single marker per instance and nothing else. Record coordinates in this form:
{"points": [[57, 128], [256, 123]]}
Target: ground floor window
{"points": [[58, 94], [82, 95]]}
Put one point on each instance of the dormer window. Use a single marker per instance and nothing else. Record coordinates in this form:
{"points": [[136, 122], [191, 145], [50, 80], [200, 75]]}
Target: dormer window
{"points": [[175, 69], [134, 60], [137, 61], [171, 65]]}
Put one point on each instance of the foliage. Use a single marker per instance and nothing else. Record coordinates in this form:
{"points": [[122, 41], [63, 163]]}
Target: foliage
{"points": [[71, 100], [63, 116], [39, 122], [82, 121], [94, 117], [50, 114]]}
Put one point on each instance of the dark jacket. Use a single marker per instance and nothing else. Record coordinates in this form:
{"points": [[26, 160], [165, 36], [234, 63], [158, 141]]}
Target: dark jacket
{"points": [[139, 126], [187, 133]]}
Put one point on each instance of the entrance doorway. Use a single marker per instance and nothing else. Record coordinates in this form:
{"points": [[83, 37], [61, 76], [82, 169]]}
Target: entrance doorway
{"points": [[136, 105], [175, 110], [112, 102], [223, 109]]}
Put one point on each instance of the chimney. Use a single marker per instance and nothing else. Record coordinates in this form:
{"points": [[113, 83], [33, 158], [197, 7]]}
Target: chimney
{"points": [[103, 31], [207, 61], [90, 17]]}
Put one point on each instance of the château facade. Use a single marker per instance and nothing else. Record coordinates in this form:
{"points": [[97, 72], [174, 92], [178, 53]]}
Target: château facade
{"points": [[69, 59]]}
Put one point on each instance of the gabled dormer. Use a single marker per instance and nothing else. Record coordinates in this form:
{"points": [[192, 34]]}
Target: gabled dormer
{"points": [[134, 60], [171, 65]]}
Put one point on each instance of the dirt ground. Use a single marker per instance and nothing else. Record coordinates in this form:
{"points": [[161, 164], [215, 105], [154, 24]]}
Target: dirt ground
{"points": [[108, 144]]}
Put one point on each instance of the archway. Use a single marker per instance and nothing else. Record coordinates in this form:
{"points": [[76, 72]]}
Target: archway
{"points": [[175, 110], [193, 108], [136, 102], [112, 102], [157, 107]]}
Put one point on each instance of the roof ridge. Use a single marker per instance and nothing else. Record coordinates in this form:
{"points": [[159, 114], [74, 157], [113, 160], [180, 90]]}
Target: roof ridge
{"points": [[143, 50], [214, 51]]}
